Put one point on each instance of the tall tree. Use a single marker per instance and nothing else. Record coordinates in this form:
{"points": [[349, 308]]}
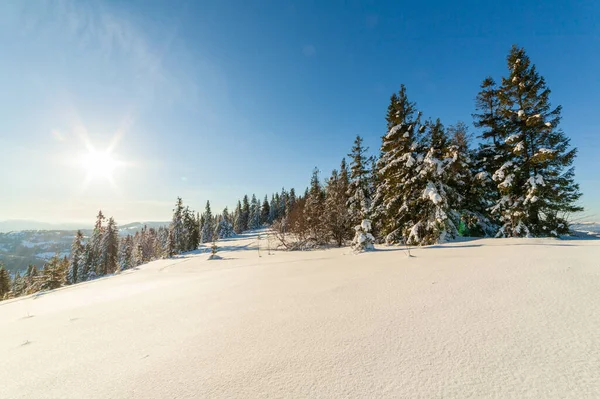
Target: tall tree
{"points": [[177, 224], [238, 222], [536, 182], [359, 201], [76, 257], [245, 216], [399, 188], [208, 228], [4, 281], [336, 216], [314, 209], [265, 211], [110, 248]]}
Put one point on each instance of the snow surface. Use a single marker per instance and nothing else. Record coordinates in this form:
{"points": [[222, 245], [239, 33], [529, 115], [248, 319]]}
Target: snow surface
{"points": [[491, 318]]}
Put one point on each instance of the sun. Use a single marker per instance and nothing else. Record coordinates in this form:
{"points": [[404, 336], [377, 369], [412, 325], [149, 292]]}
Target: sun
{"points": [[98, 164]]}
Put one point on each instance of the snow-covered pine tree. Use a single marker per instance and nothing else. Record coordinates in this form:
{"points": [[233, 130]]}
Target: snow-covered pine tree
{"points": [[536, 182], [18, 285], [273, 216], [237, 219], [178, 227], [283, 200], [94, 250], [109, 252], [191, 228], [359, 201], [265, 211], [77, 249], [291, 200], [224, 227], [53, 274], [433, 214], [208, 227], [363, 239], [398, 187], [125, 250], [336, 215], [469, 184], [255, 212], [492, 152], [245, 218], [4, 281], [313, 211]]}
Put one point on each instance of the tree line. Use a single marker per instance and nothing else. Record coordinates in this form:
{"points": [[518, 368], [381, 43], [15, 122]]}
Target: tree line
{"points": [[428, 183]]}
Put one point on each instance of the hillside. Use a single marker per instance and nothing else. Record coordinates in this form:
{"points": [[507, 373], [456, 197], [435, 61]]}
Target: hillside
{"points": [[19, 249], [486, 318]]}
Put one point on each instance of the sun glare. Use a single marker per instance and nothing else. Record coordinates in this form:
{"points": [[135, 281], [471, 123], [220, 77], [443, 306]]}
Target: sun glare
{"points": [[98, 164]]}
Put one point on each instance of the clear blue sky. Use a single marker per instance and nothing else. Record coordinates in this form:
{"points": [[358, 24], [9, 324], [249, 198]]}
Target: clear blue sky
{"points": [[211, 100]]}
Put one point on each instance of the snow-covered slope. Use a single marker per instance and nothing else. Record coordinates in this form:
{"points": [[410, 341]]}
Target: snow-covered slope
{"points": [[479, 319]]}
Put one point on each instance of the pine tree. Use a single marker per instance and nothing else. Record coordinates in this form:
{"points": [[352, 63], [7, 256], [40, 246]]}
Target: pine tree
{"points": [[125, 253], [238, 223], [208, 227], [77, 249], [359, 202], [245, 215], [314, 209], [4, 282], [399, 188], [493, 151], [109, 254], [178, 227], [254, 219], [273, 216], [53, 274], [536, 182], [433, 214], [336, 216], [469, 183], [265, 211], [94, 252], [18, 285]]}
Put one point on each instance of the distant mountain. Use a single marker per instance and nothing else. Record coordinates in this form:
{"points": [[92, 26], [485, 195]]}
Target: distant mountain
{"points": [[32, 225], [135, 226], [591, 228], [20, 225], [25, 242]]}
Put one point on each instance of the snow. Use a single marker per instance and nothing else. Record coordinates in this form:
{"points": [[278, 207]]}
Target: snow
{"points": [[490, 318], [521, 113], [512, 137], [481, 175], [519, 147], [432, 193], [548, 124]]}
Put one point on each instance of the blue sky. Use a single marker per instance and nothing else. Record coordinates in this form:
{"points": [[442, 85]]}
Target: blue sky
{"points": [[211, 100]]}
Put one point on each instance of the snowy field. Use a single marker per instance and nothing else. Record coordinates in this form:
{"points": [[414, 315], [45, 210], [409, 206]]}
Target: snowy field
{"points": [[494, 318]]}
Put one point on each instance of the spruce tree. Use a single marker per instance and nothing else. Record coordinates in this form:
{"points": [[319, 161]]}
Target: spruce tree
{"points": [[265, 211], [53, 274], [178, 227], [399, 188], [536, 182], [359, 202], [109, 248], [245, 216], [314, 209], [4, 282], [208, 227], [336, 215], [77, 249], [238, 223], [433, 215], [493, 151]]}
